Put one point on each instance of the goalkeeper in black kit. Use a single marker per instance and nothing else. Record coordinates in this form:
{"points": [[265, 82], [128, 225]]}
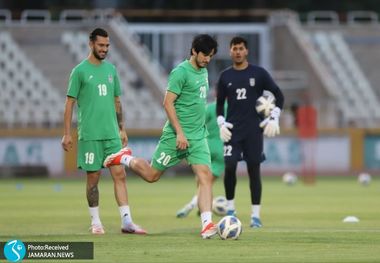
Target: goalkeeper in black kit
{"points": [[243, 128]]}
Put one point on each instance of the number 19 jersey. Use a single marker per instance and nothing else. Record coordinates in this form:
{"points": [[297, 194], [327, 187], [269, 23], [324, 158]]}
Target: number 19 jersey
{"points": [[95, 88]]}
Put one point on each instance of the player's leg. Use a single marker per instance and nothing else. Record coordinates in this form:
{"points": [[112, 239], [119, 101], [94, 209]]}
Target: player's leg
{"points": [[92, 194], [232, 154], [255, 187], [120, 189], [121, 196], [89, 158], [253, 155], [200, 161], [217, 168], [138, 165], [230, 185], [165, 156], [205, 181], [188, 207]]}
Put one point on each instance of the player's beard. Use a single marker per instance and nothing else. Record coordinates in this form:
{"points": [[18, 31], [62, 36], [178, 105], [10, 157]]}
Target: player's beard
{"points": [[97, 55], [200, 64]]}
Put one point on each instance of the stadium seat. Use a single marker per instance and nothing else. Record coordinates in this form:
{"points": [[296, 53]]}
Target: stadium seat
{"points": [[22, 83], [359, 95]]}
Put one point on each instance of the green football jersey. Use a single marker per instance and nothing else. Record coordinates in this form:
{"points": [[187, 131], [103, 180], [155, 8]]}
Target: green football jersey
{"points": [[191, 87], [95, 88]]}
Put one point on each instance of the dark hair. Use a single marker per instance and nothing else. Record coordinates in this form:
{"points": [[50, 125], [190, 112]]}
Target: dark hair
{"points": [[204, 43], [97, 32], [238, 40]]}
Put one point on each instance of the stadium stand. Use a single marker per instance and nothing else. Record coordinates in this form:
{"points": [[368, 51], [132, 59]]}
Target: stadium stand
{"points": [[26, 44], [335, 62], [149, 69], [27, 97], [339, 84]]}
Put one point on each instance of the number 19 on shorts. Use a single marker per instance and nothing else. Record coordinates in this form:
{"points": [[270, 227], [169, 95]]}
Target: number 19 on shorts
{"points": [[89, 157]]}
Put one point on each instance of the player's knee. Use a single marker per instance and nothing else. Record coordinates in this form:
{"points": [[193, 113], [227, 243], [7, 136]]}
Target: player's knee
{"points": [[92, 179], [230, 165], [152, 176], [119, 175], [205, 179]]}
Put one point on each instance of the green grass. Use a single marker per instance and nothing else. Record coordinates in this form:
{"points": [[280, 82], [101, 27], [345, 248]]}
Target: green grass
{"points": [[302, 223]]}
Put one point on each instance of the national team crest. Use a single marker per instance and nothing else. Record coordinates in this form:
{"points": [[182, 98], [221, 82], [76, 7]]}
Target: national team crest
{"points": [[252, 82], [110, 78]]}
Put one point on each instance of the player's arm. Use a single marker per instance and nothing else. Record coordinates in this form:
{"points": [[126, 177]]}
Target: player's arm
{"points": [[120, 121], [271, 86], [67, 141], [271, 123], [169, 100]]}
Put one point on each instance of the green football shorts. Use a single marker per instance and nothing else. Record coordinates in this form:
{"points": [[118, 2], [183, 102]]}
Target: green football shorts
{"points": [[167, 155], [217, 156], [91, 154]]}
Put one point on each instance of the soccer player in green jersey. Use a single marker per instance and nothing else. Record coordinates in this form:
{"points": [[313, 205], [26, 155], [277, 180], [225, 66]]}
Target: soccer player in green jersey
{"points": [[216, 151], [94, 85], [184, 134]]}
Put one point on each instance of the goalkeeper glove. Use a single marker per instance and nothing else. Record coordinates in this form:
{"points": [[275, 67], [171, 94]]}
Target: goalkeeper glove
{"points": [[225, 133], [271, 123]]}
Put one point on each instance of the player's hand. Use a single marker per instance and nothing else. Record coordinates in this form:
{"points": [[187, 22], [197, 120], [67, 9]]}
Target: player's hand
{"points": [[123, 137], [224, 129], [67, 142], [182, 142], [271, 124]]}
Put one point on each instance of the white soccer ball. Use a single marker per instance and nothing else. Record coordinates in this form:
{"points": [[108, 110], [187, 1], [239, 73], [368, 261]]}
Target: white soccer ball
{"points": [[289, 178], [265, 104], [219, 205], [229, 227], [364, 178]]}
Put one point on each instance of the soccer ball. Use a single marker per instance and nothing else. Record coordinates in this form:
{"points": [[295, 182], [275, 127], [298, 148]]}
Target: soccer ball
{"points": [[229, 227], [219, 205], [265, 104], [364, 179], [289, 178]]}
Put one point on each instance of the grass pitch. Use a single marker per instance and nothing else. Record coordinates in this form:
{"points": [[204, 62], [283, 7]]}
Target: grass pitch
{"points": [[302, 223]]}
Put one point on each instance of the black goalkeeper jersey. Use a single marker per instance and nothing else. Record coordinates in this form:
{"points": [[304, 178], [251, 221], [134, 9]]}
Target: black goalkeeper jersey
{"points": [[242, 88]]}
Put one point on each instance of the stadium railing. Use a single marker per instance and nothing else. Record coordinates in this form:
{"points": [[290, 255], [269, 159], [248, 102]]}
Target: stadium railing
{"points": [[5, 16], [362, 17], [139, 55], [325, 17], [34, 15]]}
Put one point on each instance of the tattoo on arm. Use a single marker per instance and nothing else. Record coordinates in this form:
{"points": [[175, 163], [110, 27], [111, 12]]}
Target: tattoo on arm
{"points": [[93, 196], [119, 114]]}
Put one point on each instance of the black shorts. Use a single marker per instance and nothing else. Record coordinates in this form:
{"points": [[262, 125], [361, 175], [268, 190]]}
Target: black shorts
{"points": [[248, 148]]}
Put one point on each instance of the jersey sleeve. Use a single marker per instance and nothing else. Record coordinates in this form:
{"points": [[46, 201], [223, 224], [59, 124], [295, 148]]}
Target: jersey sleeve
{"points": [[271, 86], [176, 81], [74, 84]]}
